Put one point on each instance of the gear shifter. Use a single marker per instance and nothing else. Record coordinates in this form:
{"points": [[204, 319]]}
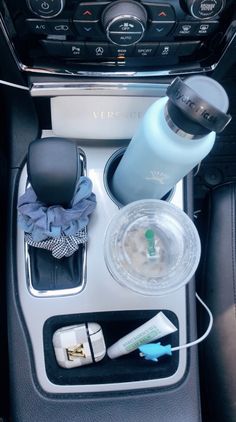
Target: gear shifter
{"points": [[54, 213], [53, 170]]}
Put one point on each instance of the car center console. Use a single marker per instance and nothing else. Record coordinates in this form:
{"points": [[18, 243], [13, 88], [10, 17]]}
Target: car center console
{"points": [[68, 49], [118, 38]]}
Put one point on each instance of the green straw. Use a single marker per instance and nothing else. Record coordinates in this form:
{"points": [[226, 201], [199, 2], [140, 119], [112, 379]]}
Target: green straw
{"points": [[150, 237]]}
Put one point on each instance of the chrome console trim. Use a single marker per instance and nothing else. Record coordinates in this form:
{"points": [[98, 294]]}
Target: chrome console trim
{"points": [[121, 89], [185, 70], [120, 74]]}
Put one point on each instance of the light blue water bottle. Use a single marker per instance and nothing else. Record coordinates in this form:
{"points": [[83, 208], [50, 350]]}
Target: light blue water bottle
{"points": [[175, 134]]}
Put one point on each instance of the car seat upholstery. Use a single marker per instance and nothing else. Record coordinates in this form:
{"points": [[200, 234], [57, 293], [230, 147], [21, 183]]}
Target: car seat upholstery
{"points": [[218, 352]]}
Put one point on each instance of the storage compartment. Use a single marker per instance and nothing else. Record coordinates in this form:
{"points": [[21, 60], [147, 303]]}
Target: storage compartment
{"points": [[126, 368]]}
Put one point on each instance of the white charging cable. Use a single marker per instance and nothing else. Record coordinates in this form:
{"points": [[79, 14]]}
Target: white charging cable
{"points": [[200, 339], [25, 88], [153, 351]]}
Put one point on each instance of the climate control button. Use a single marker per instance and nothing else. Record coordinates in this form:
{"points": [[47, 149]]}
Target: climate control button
{"points": [[89, 11], [186, 29], [206, 28], [46, 8], [160, 12], [89, 29], [158, 30], [124, 22], [38, 26], [125, 39], [126, 26], [190, 29], [60, 27]]}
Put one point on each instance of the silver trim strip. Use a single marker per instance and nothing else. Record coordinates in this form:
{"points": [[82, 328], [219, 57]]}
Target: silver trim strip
{"points": [[121, 89], [120, 74], [196, 68]]}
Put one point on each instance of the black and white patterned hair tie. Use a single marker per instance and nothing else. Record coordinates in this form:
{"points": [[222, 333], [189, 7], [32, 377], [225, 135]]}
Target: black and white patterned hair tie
{"points": [[63, 246]]}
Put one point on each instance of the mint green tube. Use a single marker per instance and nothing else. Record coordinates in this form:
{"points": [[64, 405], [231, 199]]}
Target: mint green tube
{"points": [[157, 327]]}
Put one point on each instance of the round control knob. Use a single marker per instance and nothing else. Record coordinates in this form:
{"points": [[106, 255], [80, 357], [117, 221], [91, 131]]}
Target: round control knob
{"points": [[124, 22], [205, 9], [46, 8]]}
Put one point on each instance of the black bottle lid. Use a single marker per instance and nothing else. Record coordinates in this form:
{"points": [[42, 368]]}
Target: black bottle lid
{"points": [[198, 105]]}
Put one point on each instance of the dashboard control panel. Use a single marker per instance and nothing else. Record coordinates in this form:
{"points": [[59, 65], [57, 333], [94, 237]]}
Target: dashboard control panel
{"points": [[73, 35]]}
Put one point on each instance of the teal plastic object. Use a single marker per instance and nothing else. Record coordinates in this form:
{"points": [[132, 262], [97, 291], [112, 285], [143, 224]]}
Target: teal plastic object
{"points": [[153, 351]]}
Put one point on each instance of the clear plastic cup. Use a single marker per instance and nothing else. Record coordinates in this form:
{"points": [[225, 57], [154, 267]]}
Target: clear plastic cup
{"points": [[152, 247]]}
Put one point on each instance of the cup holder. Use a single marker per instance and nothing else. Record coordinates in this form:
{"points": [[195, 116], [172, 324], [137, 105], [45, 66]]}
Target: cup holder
{"points": [[109, 171]]}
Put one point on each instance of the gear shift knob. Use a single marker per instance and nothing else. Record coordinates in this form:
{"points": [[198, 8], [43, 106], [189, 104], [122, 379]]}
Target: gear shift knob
{"points": [[53, 170]]}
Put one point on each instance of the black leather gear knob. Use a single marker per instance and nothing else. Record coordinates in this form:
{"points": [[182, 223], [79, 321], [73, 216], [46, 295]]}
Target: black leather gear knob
{"points": [[53, 169]]}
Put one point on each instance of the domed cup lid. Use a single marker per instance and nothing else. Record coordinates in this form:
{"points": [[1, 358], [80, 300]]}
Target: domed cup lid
{"points": [[152, 247]]}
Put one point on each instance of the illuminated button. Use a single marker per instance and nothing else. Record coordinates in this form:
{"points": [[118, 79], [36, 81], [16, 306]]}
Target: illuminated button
{"points": [[121, 52], [89, 11], [160, 12]]}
